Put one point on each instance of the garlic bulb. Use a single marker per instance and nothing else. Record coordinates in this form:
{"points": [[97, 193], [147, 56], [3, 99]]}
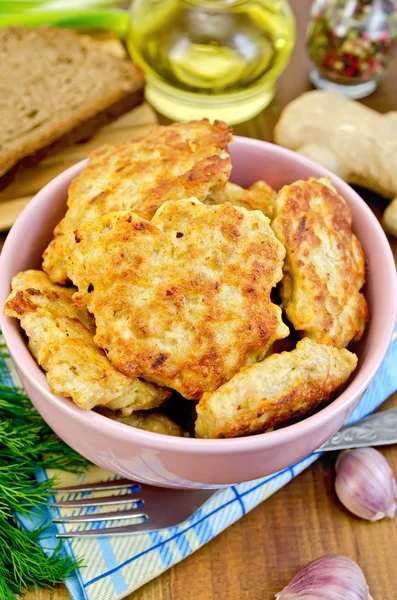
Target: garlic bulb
{"points": [[331, 577], [365, 484]]}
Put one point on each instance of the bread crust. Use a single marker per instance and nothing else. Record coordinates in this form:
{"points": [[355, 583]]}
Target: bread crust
{"points": [[54, 80], [82, 132]]}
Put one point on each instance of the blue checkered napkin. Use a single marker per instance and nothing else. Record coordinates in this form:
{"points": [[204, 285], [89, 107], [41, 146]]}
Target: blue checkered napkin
{"points": [[115, 567]]}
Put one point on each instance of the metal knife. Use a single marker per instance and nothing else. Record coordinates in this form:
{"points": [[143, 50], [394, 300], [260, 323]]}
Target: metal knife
{"points": [[379, 429]]}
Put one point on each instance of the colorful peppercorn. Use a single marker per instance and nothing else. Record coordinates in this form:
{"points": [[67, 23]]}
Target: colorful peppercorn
{"points": [[352, 42]]}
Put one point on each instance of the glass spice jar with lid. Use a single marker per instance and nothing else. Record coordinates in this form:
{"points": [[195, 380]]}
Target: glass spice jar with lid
{"points": [[211, 58], [350, 44]]}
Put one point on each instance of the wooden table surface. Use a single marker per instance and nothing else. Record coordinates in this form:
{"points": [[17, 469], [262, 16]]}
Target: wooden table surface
{"points": [[257, 556]]}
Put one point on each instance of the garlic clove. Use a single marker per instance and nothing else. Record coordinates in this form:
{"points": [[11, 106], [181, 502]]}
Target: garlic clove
{"points": [[365, 484], [331, 577]]}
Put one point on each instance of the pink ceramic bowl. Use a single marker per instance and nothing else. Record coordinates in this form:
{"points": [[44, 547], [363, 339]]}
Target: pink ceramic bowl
{"points": [[177, 462]]}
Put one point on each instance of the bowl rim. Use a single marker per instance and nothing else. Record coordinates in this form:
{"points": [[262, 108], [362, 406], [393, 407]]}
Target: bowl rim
{"points": [[356, 388]]}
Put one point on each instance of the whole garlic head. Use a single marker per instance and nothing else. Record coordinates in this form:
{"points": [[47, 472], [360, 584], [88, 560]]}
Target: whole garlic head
{"points": [[365, 484], [331, 577]]}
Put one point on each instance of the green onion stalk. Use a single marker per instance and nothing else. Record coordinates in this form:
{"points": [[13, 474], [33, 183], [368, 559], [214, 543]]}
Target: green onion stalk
{"points": [[88, 14]]}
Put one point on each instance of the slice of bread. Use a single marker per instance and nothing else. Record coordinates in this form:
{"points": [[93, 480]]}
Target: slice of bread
{"points": [[57, 88]]}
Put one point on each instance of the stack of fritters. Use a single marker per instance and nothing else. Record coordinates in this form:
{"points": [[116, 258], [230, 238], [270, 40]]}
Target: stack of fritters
{"points": [[174, 268], [170, 163], [183, 300], [61, 340]]}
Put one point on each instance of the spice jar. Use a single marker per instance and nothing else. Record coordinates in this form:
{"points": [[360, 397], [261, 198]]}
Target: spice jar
{"points": [[350, 43], [211, 58]]}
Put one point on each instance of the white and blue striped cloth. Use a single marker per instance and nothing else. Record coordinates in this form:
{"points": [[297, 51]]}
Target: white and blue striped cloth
{"points": [[115, 567]]}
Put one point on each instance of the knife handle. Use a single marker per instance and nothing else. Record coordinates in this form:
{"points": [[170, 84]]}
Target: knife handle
{"points": [[379, 429]]}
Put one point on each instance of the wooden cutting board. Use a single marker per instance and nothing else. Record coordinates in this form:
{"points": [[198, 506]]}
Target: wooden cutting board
{"points": [[16, 196]]}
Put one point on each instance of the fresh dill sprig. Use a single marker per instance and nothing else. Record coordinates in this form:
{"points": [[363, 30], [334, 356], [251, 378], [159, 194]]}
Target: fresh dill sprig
{"points": [[24, 563], [18, 494], [27, 442]]}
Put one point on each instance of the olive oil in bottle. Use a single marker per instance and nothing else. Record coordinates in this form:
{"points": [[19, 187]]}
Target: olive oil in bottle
{"points": [[211, 58]]}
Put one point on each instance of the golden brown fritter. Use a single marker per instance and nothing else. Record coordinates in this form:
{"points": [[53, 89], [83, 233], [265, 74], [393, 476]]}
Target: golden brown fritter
{"points": [[32, 290], [178, 161], [183, 300], [61, 340], [272, 392], [324, 269], [150, 420], [260, 196]]}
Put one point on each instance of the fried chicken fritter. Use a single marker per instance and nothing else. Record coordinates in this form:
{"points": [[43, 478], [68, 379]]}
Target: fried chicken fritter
{"points": [[270, 393], [150, 420], [324, 269], [61, 340], [170, 163], [183, 300], [260, 196]]}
